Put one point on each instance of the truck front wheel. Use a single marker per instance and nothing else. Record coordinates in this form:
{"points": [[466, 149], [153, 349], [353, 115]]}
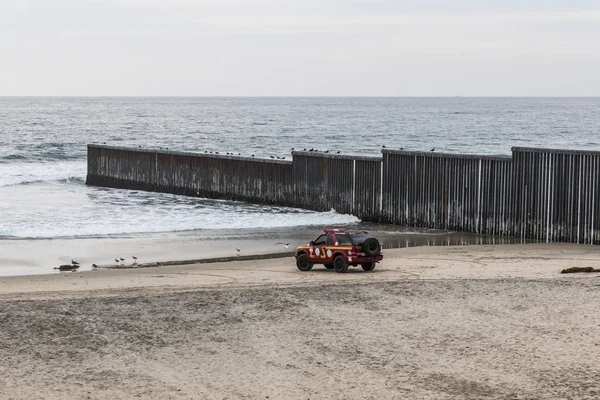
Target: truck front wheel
{"points": [[303, 263]]}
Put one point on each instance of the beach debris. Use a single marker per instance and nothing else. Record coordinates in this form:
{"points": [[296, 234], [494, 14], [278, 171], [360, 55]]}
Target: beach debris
{"points": [[579, 269], [74, 262], [67, 267], [286, 245]]}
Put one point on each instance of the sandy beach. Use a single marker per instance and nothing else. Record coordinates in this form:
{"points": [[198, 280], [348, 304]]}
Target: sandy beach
{"points": [[459, 322]]}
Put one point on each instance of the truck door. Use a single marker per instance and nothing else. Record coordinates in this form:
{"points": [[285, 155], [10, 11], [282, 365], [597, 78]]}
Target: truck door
{"points": [[328, 250], [317, 253]]}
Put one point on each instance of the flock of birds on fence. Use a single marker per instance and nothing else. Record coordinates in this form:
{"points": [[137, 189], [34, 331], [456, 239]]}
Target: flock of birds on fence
{"points": [[312, 149]]}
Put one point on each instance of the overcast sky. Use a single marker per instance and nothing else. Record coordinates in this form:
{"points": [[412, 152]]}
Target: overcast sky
{"points": [[300, 47]]}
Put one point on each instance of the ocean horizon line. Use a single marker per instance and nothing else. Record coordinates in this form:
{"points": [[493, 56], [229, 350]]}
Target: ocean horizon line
{"points": [[286, 97]]}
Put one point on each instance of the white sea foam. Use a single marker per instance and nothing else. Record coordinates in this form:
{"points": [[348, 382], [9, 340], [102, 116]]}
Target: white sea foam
{"points": [[71, 209]]}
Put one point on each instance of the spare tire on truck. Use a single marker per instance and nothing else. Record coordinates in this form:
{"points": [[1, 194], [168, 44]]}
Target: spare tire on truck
{"points": [[371, 246]]}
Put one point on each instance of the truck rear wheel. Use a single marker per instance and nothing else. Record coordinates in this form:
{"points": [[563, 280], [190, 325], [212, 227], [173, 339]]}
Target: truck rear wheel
{"points": [[303, 263], [370, 266], [339, 264]]}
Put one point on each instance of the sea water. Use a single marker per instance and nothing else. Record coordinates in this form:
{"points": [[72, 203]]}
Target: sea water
{"points": [[43, 153]]}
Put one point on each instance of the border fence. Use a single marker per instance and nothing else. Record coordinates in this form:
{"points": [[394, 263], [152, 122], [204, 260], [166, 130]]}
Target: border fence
{"points": [[543, 194]]}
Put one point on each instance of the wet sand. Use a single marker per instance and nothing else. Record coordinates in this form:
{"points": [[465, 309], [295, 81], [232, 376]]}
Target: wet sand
{"points": [[464, 322], [41, 256]]}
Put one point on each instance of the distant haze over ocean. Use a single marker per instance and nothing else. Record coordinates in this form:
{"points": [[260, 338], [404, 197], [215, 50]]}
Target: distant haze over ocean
{"points": [[43, 152]]}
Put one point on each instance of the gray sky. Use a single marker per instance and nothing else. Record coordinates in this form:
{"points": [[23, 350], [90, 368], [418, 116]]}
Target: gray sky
{"points": [[299, 48]]}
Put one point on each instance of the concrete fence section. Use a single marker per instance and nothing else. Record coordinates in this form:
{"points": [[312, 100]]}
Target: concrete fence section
{"points": [[542, 194]]}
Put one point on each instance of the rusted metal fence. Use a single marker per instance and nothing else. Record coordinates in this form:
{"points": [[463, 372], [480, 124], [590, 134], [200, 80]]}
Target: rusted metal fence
{"points": [[443, 191], [556, 195], [204, 175], [347, 184], [542, 194]]}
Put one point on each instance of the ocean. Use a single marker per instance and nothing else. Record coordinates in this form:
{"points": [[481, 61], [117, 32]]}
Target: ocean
{"points": [[43, 154]]}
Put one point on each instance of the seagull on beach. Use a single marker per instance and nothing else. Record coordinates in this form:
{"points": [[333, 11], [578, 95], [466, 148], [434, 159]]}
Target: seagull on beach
{"points": [[121, 258], [432, 149], [117, 260], [238, 251], [286, 245], [74, 262], [94, 266], [134, 259]]}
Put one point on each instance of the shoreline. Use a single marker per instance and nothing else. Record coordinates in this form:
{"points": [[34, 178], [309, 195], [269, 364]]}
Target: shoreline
{"points": [[41, 256], [517, 261]]}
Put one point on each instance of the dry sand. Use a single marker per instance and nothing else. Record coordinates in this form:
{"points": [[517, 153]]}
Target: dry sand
{"points": [[469, 322]]}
